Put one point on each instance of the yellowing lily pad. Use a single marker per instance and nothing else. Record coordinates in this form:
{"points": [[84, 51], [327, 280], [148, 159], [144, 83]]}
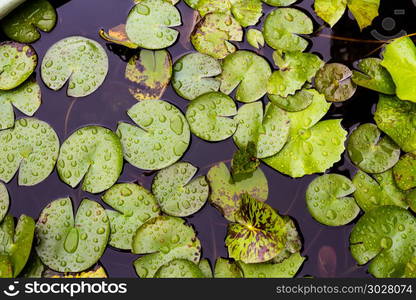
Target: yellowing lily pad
{"points": [[297, 102], [226, 268], [95, 272], [405, 172], [118, 35], [255, 38], [372, 75], [179, 268], [4, 201]]}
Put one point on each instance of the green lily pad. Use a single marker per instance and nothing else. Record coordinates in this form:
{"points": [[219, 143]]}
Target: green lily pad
{"points": [[161, 139], [209, 116], [334, 81], [118, 35], [158, 17], [205, 267], [255, 38], [80, 61], [244, 162], [248, 73], [279, 2], [92, 153], [313, 146], [411, 199], [372, 75], [6, 268], [193, 75], [371, 152], [410, 270], [293, 103], [34, 267], [4, 201], [295, 69], [226, 268], [397, 118], [96, 271], [377, 190], [17, 63], [226, 194], [26, 98], [384, 237], [149, 74], [269, 131], [134, 205], [179, 268], [405, 172], [282, 27], [327, 201], [23, 23], [177, 194], [205, 7], [31, 147], [164, 239], [214, 33]]}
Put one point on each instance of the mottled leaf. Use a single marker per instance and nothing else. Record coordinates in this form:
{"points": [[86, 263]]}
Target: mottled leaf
{"points": [[297, 102], [4, 201], [405, 172], [179, 268], [255, 38], [372, 75], [226, 268]]}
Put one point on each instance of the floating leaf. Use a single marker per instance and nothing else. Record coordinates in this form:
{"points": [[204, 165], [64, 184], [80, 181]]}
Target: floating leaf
{"points": [[384, 237], [282, 27], [293, 242], [244, 162], [92, 153], [17, 63], [34, 267], [23, 23], [411, 199], [158, 17], [95, 272], [297, 102], [279, 2], [161, 139], [205, 7], [372, 75], [193, 75], [31, 147], [312, 147], [164, 239], [379, 190], [334, 81], [205, 267], [397, 118], [370, 152], [209, 116], [255, 38], [226, 268], [4, 201], [118, 35], [134, 205], [269, 131], [405, 172], [68, 244], [149, 74], [226, 194], [248, 73], [327, 201], [179, 268], [212, 35], [80, 61]]}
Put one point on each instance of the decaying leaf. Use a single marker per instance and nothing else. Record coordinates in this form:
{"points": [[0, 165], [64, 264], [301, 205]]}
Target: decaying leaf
{"points": [[118, 35]]}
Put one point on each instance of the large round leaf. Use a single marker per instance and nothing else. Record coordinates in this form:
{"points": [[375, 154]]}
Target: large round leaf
{"points": [[248, 73], [149, 24], [31, 147], [405, 172], [176, 192], [226, 268], [80, 61], [134, 205], [372, 75], [4, 201], [179, 268], [297, 102], [68, 244], [161, 139], [93, 153]]}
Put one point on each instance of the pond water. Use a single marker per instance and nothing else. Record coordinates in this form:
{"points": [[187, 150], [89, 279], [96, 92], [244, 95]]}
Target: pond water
{"points": [[325, 247]]}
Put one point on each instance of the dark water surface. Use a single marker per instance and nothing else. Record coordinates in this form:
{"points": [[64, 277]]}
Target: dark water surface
{"points": [[325, 247]]}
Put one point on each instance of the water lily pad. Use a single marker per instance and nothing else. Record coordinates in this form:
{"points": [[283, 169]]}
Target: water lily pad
{"points": [[411, 199], [312, 146], [23, 23], [4, 201], [397, 118], [214, 33], [248, 73], [295, 69], [371, 152], [92, 153], [164, 239], [372, 75], [31, 147], [226, 194], [177, 194], [193, 75], [149, 74], [226, 268], [293, 242], [377, 190], [209, 116], [17, 63], [384, 237], [118, 35], [34, 267], [244, 162], [334, 81], [328, 202], [269, 131], [26, 98], [179, 268], [158, 17], [68, 244], [279, 2], [297, 102], [96, 271], [283, 26], [80, 61], [205, 268], [161, 139], [134, 205], [405, 172]]}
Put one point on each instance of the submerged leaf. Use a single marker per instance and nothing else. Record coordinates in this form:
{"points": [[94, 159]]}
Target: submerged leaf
{"points": [[118, 35], [4, 201], [179, 268], [244, 162], [255, 38], [297, 102], [226, 268], [372, 75], [405, 172]]}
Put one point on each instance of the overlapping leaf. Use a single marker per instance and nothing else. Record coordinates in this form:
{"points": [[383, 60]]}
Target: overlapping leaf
{"points": [[4, 201], [372, 75], [405, 172], [179, 268]]}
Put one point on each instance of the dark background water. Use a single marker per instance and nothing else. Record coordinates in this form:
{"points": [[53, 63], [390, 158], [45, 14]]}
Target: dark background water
{"points": [[325, 247]]}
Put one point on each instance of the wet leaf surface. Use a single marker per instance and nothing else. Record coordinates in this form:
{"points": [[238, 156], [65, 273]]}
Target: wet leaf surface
{"points": [[226, 268], [372, 75], [293, 103], [255, 38], [4, 201], [179, 268], [405, 172]]}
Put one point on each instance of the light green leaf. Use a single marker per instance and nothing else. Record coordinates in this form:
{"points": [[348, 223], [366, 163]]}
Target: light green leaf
{"points": [[205, 267], [4, 201], [293, 103], [372, 75], [405, 172], [255, 38], [179, 268], [279, 2], [226, 268]]}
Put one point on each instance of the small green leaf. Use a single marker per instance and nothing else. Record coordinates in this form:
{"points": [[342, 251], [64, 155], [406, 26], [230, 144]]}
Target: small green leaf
{"points": [[4, 201], [371, 152], [6, 268], [255, 38], [226, 268], [118, 35], [372, 75], [244, 162], [405, 172], [179, 268], [81, 62], [279, 2], [205, 267], [293, 103], [161, 139]]}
